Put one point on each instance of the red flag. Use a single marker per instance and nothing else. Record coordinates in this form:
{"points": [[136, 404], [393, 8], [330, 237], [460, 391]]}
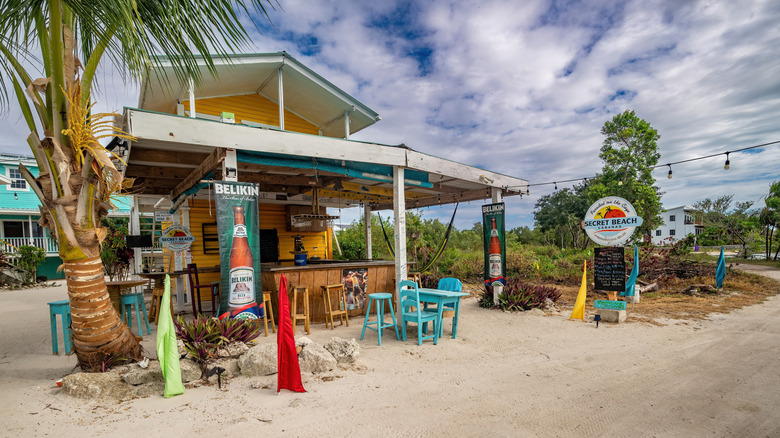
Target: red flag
{"points": [[289, 372]]}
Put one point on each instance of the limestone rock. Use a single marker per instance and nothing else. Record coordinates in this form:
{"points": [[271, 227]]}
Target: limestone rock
{"points": [[259, 360], [313, 358], [535, 311], [95, 385], [190, 370], [138, 376], [343, 350], [229, 364], [235, 349]]}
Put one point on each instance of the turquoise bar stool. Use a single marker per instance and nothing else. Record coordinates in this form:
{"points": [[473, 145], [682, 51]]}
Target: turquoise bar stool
{"points": [[61, 307], [380, 298], [137, 300]]}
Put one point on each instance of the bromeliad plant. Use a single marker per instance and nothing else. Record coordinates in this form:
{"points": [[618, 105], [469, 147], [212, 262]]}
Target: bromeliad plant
{"points": [[519, 296], [203, 336]]}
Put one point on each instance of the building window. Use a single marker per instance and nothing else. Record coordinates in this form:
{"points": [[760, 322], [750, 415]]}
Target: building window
{"points": [[671, 232], [17, 182], [657, 232], [698, 231], [671, 218]]}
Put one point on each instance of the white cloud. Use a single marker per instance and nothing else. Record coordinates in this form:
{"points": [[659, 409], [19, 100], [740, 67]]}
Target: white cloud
{"points": [[523, 88]]}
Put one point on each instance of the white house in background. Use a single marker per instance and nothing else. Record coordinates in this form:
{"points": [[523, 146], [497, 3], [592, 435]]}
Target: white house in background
{"points": [[678, 223]]}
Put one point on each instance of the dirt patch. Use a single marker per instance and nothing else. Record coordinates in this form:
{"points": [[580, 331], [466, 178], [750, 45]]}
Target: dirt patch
{"points": [[740, 289]]}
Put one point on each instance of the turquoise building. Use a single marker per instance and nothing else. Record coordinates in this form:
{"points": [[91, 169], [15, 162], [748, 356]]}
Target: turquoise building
{"points": [[20, 211]]}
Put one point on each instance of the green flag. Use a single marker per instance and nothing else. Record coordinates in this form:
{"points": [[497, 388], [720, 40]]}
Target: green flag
{"points": [[167, 349]]}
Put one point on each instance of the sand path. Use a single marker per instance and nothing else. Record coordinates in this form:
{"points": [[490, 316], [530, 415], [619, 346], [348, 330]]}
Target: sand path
{"points": [[505, 375]]}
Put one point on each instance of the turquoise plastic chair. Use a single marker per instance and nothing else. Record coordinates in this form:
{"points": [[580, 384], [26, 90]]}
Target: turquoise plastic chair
{"points": [[453, 285], [410, 298]]}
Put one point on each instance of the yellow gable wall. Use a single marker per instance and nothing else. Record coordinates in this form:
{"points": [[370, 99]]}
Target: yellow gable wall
{"points": [[271, 216], [253, 108]]}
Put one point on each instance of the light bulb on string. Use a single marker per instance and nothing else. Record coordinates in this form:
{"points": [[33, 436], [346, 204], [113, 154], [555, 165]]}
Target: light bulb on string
{"points": [[556, 185], [669, 175], [728, 163]]}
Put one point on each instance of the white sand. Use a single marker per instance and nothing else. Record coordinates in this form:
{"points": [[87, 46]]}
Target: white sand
{"points": [[505, 375]]}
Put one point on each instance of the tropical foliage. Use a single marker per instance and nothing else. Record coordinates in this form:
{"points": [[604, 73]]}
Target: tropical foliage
{"points": [[629, 153], [52, 50], [29, 258]]}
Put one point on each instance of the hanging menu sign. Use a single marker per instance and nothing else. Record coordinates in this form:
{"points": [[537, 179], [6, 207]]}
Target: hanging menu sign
{"points": [[609, 269]]}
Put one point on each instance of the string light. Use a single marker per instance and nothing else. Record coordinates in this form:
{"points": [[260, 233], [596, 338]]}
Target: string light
{"points": [[669, 175], [556, 185]]}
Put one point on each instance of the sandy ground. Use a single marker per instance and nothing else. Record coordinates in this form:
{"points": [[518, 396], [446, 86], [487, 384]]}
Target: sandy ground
{"points": [[505, 375]]}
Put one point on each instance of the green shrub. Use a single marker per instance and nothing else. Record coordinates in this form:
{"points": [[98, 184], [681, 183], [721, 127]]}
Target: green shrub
{"points": [[520, 296], [203, 336], [30, 257]]}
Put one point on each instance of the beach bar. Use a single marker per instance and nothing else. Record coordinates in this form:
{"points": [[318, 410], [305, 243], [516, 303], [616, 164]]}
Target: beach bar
{"points": [[269, 120]]}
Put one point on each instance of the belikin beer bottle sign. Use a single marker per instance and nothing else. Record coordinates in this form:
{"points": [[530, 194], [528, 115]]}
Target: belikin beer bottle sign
{"points": [[239, 249], [611, 221], [495, 243]]}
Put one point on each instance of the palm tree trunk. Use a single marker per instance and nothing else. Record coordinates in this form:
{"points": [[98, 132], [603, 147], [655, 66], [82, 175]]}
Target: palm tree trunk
{"points": [[98, 332]]}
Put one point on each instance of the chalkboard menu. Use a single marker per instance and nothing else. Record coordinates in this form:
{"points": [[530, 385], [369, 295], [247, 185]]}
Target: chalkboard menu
{"points": [[610, 268]]}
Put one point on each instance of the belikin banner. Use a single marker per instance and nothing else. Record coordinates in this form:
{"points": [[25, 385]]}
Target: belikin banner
{"points": [[494, 243], [239, 249]]}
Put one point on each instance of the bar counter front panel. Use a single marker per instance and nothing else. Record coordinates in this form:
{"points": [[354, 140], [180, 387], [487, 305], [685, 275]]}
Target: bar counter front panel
{"points": [[381, 278]]}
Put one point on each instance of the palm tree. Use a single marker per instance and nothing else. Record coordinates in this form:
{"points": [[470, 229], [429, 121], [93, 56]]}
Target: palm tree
{"points": [[67, 40]]}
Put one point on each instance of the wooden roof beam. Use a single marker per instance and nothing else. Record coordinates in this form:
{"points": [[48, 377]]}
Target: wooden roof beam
{"points": [[211, 162]]}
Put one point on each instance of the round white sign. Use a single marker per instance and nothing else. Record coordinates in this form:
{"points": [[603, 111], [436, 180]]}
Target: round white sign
{"points": [[611, 221], [176, 238]]}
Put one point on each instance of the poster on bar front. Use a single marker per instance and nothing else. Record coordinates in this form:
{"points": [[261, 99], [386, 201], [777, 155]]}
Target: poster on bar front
{"points": [[494, 239], [239, 249]]}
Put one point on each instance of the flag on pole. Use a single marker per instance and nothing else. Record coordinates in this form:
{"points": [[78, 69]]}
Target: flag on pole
{"points": [[579, 305], [631, 283], [288, 369], [167, 348], [720, 272]]}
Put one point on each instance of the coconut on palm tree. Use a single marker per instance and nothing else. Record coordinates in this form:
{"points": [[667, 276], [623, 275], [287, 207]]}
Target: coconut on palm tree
{"points": [[52, 50]]}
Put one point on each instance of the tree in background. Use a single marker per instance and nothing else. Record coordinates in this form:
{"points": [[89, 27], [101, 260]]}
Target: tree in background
{"points": [[629, 153], [30, 257], [725, 225], [560, 214], [69, 40], [770, 218]]}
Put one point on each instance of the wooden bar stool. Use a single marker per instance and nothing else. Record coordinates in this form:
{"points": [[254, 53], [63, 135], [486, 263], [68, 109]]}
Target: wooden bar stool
{"points": [[415, 277], [341, 309], [268, 311], [304, 291], [62, 308]]}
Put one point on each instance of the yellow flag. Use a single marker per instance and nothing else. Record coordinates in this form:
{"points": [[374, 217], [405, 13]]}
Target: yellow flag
{"points": [[579, 305]]}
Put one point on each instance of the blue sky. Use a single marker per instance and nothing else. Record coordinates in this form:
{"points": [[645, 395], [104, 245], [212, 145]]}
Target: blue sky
{"points": [[523, 88]]}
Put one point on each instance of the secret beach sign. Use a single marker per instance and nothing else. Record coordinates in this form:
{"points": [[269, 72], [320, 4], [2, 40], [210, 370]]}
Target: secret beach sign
{"points": [[611, 221]]}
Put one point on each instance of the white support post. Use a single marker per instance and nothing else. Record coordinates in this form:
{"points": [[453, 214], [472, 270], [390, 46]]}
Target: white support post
{"points": [[135, 229], [230, 166], [192, 98], [497, 195], [29, 226], [181, 217], [367, 223], [346, 125], [281, 100], [399, 209]]}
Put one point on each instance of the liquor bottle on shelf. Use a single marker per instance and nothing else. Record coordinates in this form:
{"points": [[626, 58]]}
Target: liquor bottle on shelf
{"points": [[494, 252], [241, 298]]}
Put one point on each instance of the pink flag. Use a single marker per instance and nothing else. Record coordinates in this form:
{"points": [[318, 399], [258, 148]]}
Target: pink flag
{"points": [[289, 372]]}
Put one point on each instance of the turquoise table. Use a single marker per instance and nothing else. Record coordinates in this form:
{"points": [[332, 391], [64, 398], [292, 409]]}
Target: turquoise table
{"points": [[440, 298]]}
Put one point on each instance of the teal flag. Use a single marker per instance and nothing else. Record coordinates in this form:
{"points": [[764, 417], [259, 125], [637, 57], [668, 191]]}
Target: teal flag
{"points": [[631, 283], [167, 349], [720, 272]]}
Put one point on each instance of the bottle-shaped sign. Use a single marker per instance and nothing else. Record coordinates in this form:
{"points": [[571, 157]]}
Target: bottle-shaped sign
{"points": [[242, 272], [494, 251]]}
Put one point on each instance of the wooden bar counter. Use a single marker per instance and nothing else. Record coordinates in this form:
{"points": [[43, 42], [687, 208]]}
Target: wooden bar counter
{"points": [[380, 278]]}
